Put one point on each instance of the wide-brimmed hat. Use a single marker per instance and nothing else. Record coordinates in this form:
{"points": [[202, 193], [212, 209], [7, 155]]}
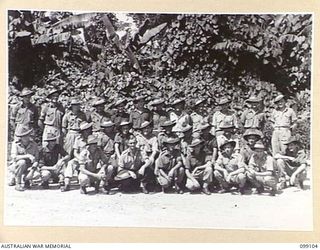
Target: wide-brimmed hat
{"points": [[157, 102], [177, 101], [198, 102], [145, 124], [205, 126], [226, 126], [99, 102], [168, 123], [92, 140], [252, 131], [53, 91], [186, 128], [26, 92], [253, 99], [224, 100], [172, 140], [226, 142], [50, 137], [107, 124], [75, 101], [196, 142], [118, 102], [278, 98], [23, 131], [124, 123], [292, 139], [85, 125], [259, 145]]}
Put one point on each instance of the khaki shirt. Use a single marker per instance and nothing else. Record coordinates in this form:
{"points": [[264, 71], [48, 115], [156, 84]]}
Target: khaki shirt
{"points": [[231, 163], [167, 161], [147, 145], [285, 118], [137, 117], [52, 115], [19, 149], [219, 118], [252, 119], [266, 163], [97, 119], [130, 161], [72, 121], [25, 115]]}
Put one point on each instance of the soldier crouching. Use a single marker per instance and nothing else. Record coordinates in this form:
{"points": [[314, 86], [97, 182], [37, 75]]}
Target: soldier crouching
{"points": [[169, 167]]}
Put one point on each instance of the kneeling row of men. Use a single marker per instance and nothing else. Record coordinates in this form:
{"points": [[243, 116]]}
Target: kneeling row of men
{"points": [[167, 161]]}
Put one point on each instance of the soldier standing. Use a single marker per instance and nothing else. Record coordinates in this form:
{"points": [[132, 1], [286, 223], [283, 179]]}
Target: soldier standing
{"points": [[179, 115], [254, 117], [284, 121], [98, 116], [140, 113], [120, 115], [160, 115], [50, 119]]}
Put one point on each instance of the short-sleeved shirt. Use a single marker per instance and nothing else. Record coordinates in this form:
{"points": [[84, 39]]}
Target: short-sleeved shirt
{"points": [[159, 117], [285, 118], [106, 143], [185, 150], [167, 160], [137, 117], [230, 163], [26, 115], [246, 153], [147, 145], [91, 160], [197, 120], [122, 140], [252, 119], [181, 121], [49, 157], [131, 161], [19, 149], [263, 164], [97, 119], [193, 161], [72, 121], [229, 118], [52, 114], [299, 158]]}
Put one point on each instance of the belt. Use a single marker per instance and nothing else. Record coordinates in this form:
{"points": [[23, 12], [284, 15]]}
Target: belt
{"points": [[282, 127]]}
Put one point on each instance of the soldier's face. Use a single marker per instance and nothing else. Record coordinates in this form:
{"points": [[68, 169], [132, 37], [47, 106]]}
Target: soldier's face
{"points": [[99, 108], [259, 151], [228, 149], [132, 143], [179, 107], [93, 146], [139, 104], [120, 107], [54, 97], [25, 139], [255, 105], [125, 129], [281, 103], [26, 99], [196, 149], [292, 147], [51, 143], [252, 139], [108, 129], [147, 130]]}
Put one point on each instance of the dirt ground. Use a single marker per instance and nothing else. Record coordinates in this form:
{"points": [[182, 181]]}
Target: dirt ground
{"points": [[290, 210]]}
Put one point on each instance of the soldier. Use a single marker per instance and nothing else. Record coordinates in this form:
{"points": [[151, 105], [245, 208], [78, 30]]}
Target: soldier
{"points": [[186, 139], [133, 169], [159, 114], [179, 115], [261, 170], [98, 116], [224, 116], [199, 173], [166, 132], [169, 167], [24, 114], [210, 146], [71, 124], [197, 116], [50, 119], [140, 113], [79, 145], [284, 121], [24, 156], [229, 168], [293, 164], [251, 136], [120, 114], [122, 137], [254, 117], [52, 161], [227, 132], [95, 169]]}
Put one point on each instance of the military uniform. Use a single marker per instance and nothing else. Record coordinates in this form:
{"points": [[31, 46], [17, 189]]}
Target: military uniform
{"points": [[159, 117], [71, 122], [51, 115], [253, 119], [220, 119], [97, 119], [137, 117]]}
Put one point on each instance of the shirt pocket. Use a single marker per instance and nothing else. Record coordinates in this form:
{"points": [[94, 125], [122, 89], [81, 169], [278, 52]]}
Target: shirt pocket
{"points": [[50, 117]]}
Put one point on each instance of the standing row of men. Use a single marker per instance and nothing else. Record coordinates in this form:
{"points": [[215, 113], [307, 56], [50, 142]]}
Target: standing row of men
{"points": [[114, 148]]}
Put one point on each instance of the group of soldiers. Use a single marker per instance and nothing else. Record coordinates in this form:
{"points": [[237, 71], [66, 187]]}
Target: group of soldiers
{"points": [[163, 148]]}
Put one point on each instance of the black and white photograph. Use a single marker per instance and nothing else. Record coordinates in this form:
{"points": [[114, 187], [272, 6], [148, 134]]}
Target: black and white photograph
{"points": [[163, 120]]}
